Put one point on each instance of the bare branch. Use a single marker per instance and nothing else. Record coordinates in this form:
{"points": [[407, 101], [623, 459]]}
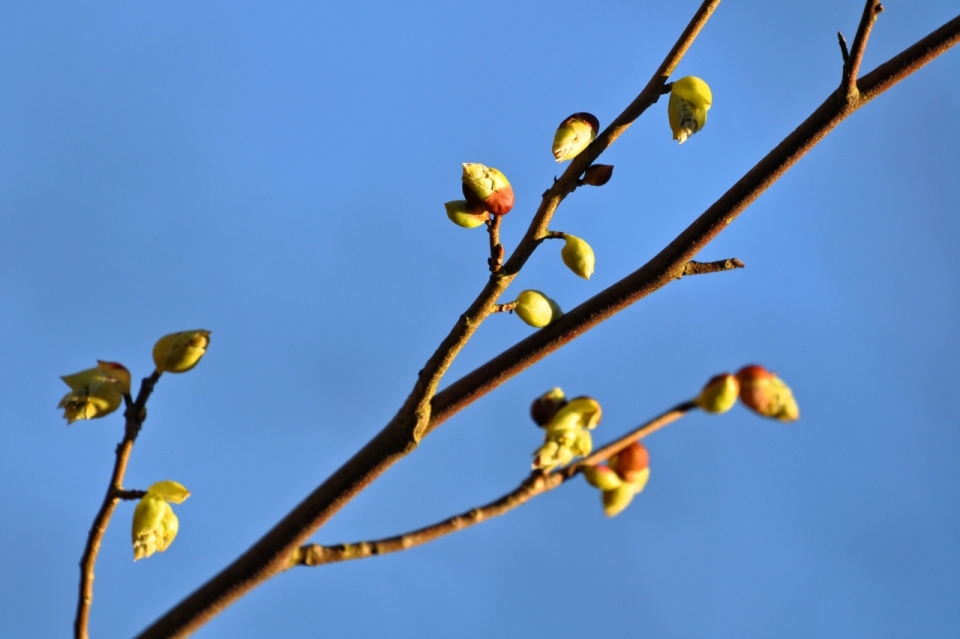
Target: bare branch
{"points": [[843, 48], [851, 66], [535, 484], [135, 414], [702, 268], [495, 260], [505, 308]]}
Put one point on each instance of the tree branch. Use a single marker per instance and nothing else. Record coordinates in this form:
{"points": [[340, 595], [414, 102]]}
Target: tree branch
{"points": [[537, 483], [851, 67], [701, 268], [496, 248], [135, 414]]}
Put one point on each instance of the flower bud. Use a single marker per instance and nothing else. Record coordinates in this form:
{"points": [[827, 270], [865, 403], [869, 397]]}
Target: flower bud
{"points": [[536, 309], [116, 373], [766, 394], [630, 462], [179, 352], [719, 395], [154, 523], [614, 501], [461, 214], [579, 412], [598, 174], [601, 477], [92, 395], [578, 256], [574, 135], [567, 434], [488, 188], [690, 99], [546, 406]]}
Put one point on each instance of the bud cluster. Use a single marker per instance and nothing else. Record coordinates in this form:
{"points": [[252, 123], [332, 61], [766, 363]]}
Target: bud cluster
{"points": [[566, 426], [154, 523], [624, 475]]}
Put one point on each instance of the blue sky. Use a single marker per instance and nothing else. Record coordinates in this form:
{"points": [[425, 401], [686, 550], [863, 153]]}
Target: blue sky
{"points": [[276, 174]]}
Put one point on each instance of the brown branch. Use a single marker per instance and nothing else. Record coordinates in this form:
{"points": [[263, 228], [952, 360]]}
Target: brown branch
{"points": [[851, 66], [273, 552], [671, 261], [702, 268], [135, 414], [495, 260], [535, 484], [843, 48], [504, 308]]}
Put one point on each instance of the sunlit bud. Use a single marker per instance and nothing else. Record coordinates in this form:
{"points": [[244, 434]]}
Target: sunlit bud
{"points": [[766, 394], [630, 462], [489, 186], [690, 99], [598, 174], [574, 135], [580, 412], [546, 406], [154, 523], [601, 477], [179, 352], [578, 256], [92, 394], [614, 501], [536, 309], [116, 373], [461, 214], [552, 455], [720, 394]]}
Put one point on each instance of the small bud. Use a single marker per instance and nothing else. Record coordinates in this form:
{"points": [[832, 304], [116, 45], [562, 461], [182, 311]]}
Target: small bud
{"points": [[579, 412], [461, 214], [116, 373], [598, 174], [546, 406], [630, 462], [487, 187], [92, 395], [766, 394], [536, 309], [601, 477], [690, 99], [719, 395], [179, 352], [574, 135], [578, 256], [154, 523], [614, 501]]}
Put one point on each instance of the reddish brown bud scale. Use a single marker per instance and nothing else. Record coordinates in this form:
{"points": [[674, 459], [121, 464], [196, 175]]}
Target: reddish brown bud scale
{"points": [[767, 394], [631, 460], [598, 174], [545, 407], [589, 118], [500, 202]]}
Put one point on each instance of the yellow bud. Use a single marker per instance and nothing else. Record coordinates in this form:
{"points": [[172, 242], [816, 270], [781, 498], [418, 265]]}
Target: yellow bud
{"points": [[179, 352], [92, 395], [536, 309], [574, 135], [639, 480], [601, 477], [614, 501], [720, 394], [169, 491], [489, 186], [690, 99], [580, 412], [461, 214], [578, 256], [155, 525], [116, 373], [767, 394]]}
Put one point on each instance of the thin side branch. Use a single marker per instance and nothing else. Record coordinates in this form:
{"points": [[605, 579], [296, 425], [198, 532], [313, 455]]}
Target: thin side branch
{"points": [[495, 261], [851, 66], [505, 308], [537, 483], [135, 414], [843, 48], [701, 268]]}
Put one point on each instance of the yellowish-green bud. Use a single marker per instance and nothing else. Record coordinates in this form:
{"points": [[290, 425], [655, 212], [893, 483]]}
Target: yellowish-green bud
{"points": [[169, 491], [690, 99], [92, 395], [601, 477], [579, 412], [155, 525], [179, 352], [567, 434], [720, 394], [488, 188], [461, 214], [574, 135], [116, 373], [578, 256], [614, 501], [536, 309]]}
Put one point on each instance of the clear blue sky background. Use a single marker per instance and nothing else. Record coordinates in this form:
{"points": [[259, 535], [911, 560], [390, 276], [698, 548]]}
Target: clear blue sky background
{"points": [[275, 172]]}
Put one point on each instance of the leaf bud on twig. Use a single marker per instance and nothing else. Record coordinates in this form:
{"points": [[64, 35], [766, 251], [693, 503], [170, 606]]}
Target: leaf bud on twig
{"points": [[487, 188], [179, 352], [536, 309], [766, 394], [719, 395], [574, 135], [578, 256], [690, 99]]}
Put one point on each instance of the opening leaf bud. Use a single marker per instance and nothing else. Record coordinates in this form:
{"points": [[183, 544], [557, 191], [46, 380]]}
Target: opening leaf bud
{"points": [[179, 352], [546, 406], [578, 256], [601, 477], [489, 186], [690, 99], [574, 135], [598, 174], [461, 214], [766, 394], [154, 523], [116, 373], [719, 395], [536, 309], [92, 394]]}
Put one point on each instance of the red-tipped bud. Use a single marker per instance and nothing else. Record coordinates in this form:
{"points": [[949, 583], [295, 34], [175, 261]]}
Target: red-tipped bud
{"points": [[720, 394], [546, 406], [598, 174], [631, 461], [487, 188], [766, 394]]}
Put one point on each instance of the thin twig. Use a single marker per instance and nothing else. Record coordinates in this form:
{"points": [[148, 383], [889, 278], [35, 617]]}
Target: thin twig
{"points": [[535, 484], [495, 261], [701, 268], [134, 416], [843, 48], [129, 495], [851, 67], [505, 308]]}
